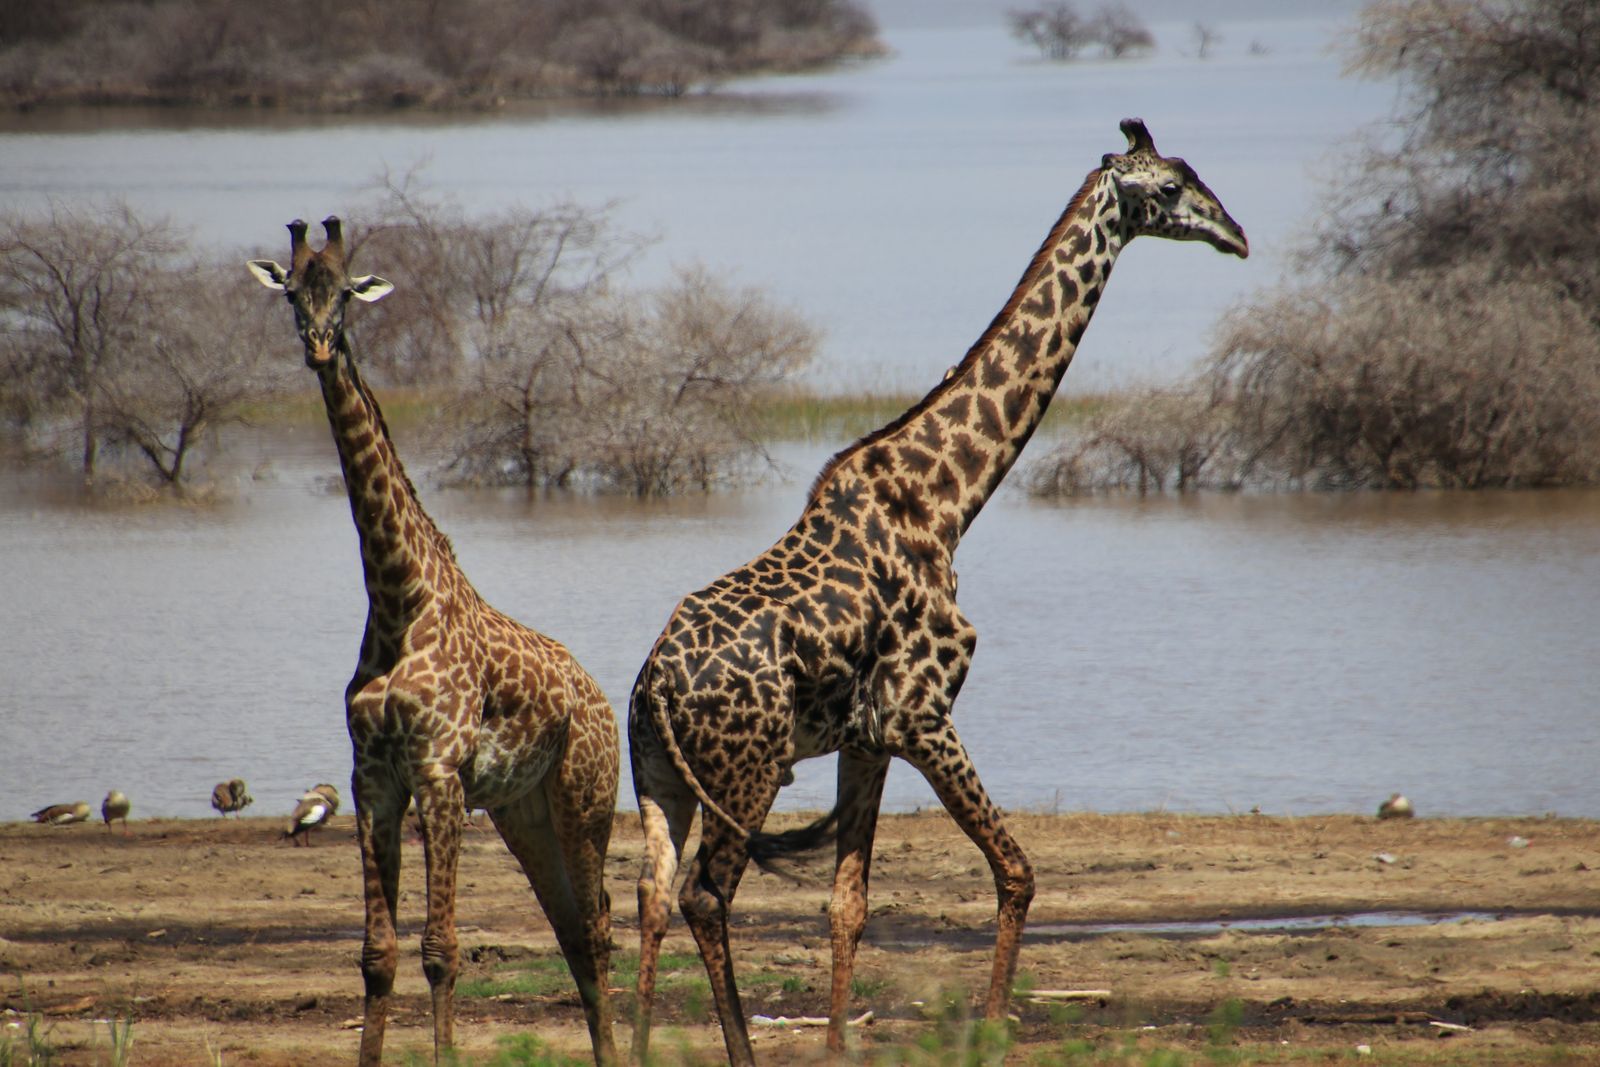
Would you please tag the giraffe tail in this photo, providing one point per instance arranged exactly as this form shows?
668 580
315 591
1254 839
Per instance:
766 849
657 710
763 848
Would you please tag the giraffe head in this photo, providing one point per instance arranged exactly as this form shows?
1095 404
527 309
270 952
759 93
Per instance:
318 288
1164 197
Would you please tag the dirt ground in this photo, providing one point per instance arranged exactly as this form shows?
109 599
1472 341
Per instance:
224 944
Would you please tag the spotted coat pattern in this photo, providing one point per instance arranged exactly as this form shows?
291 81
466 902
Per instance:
452 702
845 636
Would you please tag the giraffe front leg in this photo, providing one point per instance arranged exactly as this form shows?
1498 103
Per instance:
860 793
378 834
942 759
440 806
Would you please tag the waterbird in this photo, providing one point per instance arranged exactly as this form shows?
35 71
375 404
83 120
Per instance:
115 806
230 796
1396 807
61 814
313 809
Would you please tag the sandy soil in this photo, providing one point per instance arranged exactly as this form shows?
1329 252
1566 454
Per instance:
216 937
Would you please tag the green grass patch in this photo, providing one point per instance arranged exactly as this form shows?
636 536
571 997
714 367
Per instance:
532 978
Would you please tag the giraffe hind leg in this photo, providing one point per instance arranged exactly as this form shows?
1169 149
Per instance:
561 847
666 822
706 898
860 793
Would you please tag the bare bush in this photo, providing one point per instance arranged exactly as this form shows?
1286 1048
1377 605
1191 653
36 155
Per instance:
643 397
1060 32
196 366
1055 28
1500 134
1148 440
1454 379
1118 31
1206 37
475 283
114 338
1449 335
74 291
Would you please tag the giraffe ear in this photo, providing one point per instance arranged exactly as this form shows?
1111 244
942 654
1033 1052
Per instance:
370 287
268 273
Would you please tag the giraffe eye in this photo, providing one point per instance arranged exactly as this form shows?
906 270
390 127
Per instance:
1169 188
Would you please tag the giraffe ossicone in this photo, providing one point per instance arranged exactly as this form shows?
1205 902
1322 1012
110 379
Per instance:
845 635
453 704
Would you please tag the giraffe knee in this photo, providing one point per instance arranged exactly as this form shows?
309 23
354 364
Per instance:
701 904
439 958
378 964
1015 884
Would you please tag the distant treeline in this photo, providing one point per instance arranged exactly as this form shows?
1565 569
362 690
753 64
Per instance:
405 53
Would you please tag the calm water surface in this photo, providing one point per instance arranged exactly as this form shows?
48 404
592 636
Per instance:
1300 653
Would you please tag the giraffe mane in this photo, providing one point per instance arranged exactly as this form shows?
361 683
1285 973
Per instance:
1039 263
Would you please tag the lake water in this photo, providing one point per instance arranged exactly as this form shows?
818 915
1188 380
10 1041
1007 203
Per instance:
1300 653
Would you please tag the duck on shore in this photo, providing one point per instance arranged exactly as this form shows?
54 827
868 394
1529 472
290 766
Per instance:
1396 807
315 807
62 814
230 796
115 806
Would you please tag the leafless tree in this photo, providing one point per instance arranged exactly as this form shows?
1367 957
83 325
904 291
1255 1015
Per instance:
1118 31
75 298
115 339
1146 440
1060 32
472 283
642 396
199 363
1055 28
1206 37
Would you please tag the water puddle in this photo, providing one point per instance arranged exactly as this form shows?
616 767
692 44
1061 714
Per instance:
1281 924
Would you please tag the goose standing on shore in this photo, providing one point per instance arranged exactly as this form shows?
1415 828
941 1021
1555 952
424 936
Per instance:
314 808
115 806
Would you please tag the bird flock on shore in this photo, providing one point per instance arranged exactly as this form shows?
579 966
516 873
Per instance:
312 809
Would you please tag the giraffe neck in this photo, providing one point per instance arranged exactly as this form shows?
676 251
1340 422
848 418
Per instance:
401 548
937 465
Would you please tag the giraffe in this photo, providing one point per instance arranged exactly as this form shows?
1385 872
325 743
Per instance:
845 635
452 704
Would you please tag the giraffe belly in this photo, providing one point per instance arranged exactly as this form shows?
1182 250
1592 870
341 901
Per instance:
506 764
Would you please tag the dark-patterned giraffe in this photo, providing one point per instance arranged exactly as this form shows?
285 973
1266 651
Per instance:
845 635
452 703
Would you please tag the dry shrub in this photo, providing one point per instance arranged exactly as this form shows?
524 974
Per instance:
1148 440
1438 379
644 397
1450 335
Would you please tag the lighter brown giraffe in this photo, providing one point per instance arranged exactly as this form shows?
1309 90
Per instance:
845 635
452 703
